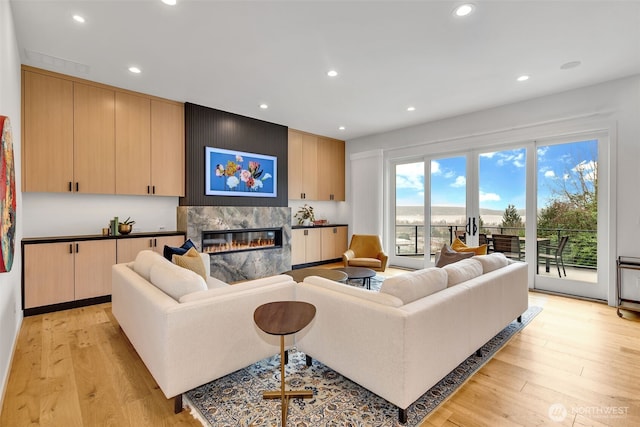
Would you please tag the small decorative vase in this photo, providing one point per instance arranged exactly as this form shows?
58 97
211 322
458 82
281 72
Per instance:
306 222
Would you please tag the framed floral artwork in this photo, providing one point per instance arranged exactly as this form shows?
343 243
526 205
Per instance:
236 173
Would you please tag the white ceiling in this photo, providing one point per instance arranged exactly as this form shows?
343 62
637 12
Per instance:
235 55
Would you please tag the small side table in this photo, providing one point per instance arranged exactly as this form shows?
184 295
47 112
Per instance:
359 273
284 318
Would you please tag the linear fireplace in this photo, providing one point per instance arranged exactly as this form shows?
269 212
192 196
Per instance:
226 241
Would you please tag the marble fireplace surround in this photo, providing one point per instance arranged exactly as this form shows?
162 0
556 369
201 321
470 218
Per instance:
238 266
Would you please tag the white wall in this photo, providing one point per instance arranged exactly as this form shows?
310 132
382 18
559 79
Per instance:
10 305
60 214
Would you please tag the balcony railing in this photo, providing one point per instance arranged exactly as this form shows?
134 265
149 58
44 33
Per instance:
581 250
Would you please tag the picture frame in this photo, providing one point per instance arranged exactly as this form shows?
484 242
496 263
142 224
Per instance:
239 173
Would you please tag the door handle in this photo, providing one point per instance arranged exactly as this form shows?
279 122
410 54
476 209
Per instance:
475 227
468 227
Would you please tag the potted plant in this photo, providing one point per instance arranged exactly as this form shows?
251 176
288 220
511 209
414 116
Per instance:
126 226
305 215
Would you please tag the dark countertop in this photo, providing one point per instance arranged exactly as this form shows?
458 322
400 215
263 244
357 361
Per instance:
53 239
295 227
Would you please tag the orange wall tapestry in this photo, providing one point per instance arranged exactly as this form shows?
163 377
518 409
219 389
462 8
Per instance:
7 197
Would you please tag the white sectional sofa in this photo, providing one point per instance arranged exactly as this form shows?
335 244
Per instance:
400 342
201 333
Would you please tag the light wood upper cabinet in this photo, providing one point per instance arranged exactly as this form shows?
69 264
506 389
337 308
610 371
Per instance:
167 148
133 144
303 165
316 167
94 139
47 137
331 166
80 136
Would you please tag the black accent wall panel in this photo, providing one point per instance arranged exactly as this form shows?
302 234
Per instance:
208 127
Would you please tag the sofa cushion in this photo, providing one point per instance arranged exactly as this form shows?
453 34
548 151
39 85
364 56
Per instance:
226 289
377 297
462 271
170 251
145 260
492 261
459 246
449 256
191 260
416 284
175 281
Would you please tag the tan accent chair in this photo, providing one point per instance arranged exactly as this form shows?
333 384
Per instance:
365 251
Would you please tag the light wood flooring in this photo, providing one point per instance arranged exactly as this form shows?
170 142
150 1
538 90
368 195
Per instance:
76 368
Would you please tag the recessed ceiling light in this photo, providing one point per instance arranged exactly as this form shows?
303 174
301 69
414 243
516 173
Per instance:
523 78
264 106
411 108
169 2
332 73
341 128
135 70
464 9
78 18
569 65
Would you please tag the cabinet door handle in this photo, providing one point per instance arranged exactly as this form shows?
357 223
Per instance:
148 189
70 248
155 243
70 186
306 232
77 247
150 243
153 187
77 186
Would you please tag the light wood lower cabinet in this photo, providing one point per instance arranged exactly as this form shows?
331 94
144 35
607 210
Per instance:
334 242
67 271
312 245
66 274
128 248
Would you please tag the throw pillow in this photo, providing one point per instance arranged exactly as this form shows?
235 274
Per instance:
462 271
416 284
459 246
176 281
449 256
170 251
191 261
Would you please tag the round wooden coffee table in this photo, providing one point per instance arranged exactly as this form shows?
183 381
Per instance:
284 318
299 274
359 273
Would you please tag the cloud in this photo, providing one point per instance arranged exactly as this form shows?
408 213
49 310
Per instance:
549 174
587 169
542 151
410 175
489 197
460 181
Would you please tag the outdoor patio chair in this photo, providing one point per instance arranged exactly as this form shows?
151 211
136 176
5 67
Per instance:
553 253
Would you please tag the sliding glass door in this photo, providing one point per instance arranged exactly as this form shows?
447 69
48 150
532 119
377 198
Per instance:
541 197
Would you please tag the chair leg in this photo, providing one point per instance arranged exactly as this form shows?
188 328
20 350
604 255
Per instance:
563 270
558 266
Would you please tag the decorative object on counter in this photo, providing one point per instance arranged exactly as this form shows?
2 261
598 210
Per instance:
305 215
113 226
320 222
106 231
7 196
126 226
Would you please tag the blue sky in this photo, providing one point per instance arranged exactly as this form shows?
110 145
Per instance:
501 174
